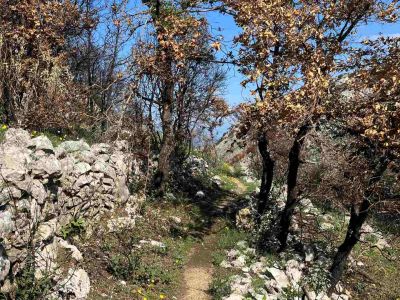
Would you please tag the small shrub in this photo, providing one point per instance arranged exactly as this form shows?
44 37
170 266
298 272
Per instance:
124 267
220 288
30 287
154 273
75 227
217 258
257 283
290 293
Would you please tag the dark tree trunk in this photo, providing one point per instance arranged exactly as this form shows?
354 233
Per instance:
8 111
357 218
292 193
167 146
266 177
161 176
167 143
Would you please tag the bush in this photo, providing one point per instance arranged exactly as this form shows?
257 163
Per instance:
30 287
124 266
220 288
75 227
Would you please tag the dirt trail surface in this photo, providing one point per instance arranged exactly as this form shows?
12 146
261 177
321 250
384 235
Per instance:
198 272
240 187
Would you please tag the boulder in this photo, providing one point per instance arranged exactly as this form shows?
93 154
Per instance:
38 191
217 180
17 137
4 264
327 226
41 143
117 224
47 230
14 161
121 145
75 146
85 156
45 261
76 285
152 243
103 167
67 165
46 167
8 194
81 168
200 194
240 285
75 253
280 277
244 219
101 149
239 262
7 224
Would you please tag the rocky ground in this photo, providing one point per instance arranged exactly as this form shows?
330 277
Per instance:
293 274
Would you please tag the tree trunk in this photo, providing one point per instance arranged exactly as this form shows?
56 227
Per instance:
292 193
8 111
266 177
161 177
167 146
357 218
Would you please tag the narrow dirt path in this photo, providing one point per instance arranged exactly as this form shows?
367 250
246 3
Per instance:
198 272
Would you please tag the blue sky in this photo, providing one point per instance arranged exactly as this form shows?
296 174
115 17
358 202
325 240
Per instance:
235 93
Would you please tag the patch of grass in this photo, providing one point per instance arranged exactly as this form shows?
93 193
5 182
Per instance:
251 187
223 168
257 283
229 237
218 257
228 183
220 287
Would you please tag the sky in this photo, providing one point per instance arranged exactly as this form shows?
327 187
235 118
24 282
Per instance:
235 93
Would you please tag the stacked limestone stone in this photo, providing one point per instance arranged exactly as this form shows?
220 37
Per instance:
45 188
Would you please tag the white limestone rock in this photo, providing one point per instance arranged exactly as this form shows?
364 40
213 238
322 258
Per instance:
41 143
76 286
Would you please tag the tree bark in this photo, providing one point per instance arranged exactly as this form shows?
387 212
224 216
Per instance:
167 143
292 192
357 218
266 177
8 111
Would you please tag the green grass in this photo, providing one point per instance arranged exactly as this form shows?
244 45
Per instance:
229 237
251 187
257 283
218 257
228 183
220 287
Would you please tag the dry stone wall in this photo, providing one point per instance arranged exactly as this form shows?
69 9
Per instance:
43 188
